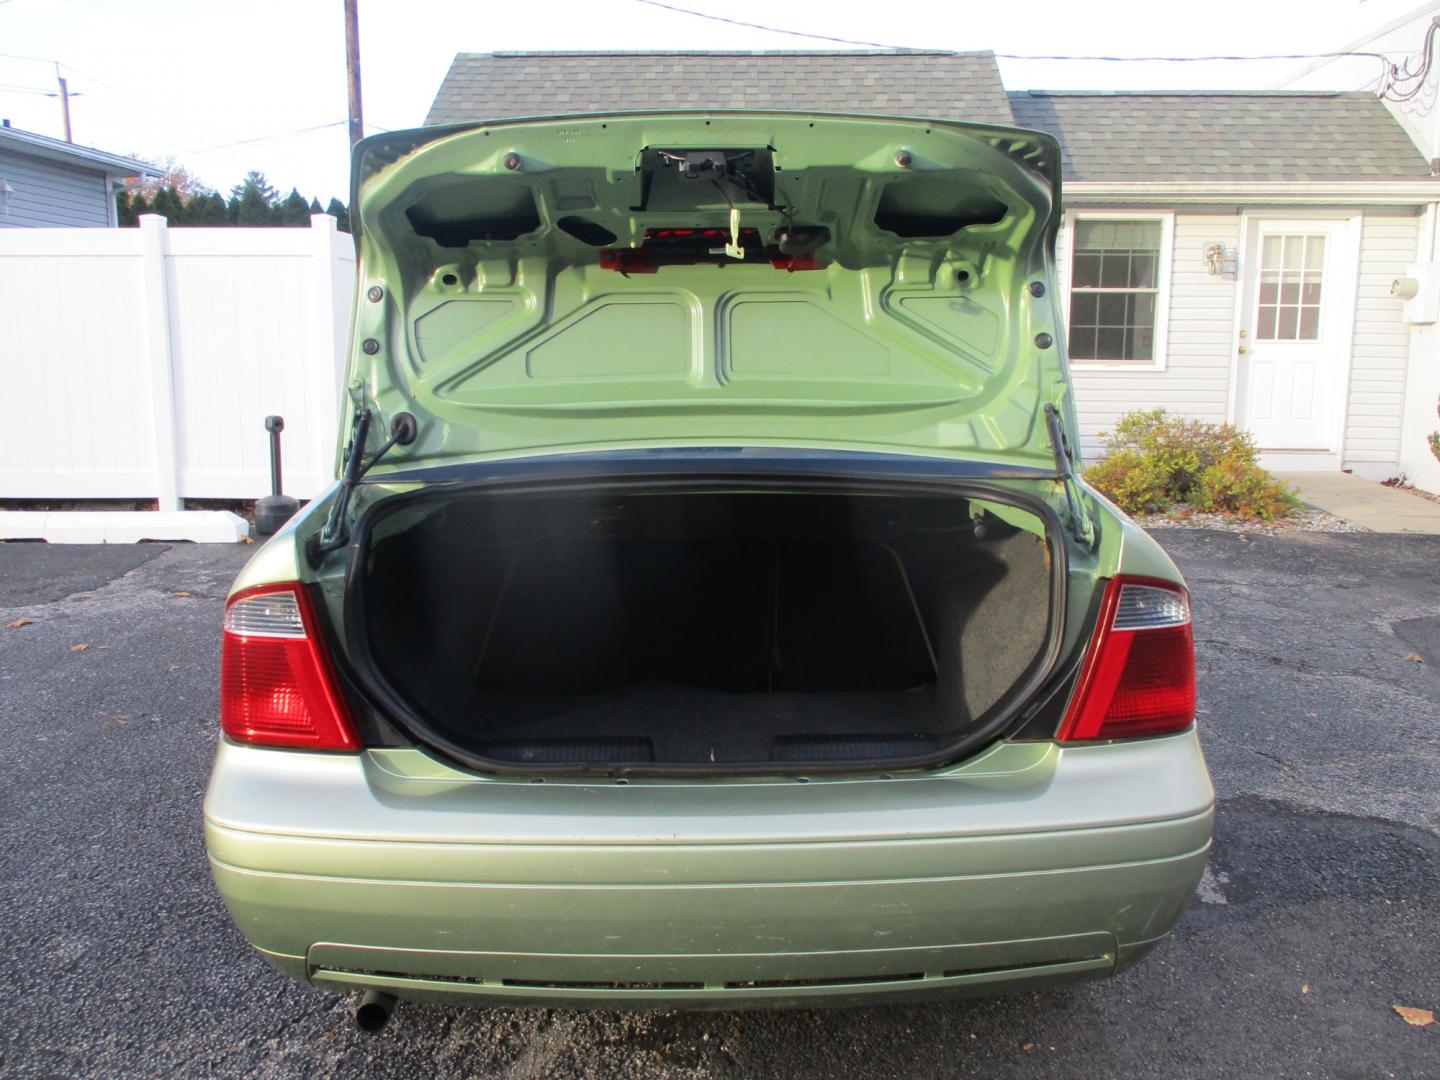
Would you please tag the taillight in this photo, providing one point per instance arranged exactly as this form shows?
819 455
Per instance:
1139 677
276 686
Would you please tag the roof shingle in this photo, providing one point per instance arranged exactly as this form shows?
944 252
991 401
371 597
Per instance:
1114 136
941 85
1241 137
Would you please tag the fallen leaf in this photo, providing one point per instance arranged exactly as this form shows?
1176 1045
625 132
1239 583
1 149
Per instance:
1028 1047
1415 1017
1415 658
15 624
182 592
247 539
79 648
113 720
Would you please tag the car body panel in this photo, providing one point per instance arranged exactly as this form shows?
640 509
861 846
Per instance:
526 343
394 862
525 362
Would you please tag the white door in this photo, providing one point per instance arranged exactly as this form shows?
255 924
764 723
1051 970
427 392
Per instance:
1292 348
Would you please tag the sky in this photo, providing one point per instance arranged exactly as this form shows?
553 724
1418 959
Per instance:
224 88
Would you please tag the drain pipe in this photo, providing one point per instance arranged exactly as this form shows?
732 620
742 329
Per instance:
374 1010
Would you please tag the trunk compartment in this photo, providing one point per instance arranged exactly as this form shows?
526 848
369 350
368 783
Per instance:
717 628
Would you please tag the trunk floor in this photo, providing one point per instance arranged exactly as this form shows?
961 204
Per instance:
690 725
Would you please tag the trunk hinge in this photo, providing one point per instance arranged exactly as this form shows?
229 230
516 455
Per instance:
336 532
1081 527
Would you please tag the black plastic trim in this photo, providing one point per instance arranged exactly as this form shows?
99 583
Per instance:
701 461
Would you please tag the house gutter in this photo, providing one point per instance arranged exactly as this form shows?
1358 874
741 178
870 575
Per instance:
1415 192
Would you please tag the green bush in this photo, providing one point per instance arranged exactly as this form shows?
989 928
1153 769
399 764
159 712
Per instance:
1154 462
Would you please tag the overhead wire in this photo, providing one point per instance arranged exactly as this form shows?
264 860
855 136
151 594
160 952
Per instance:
1391 75
15 89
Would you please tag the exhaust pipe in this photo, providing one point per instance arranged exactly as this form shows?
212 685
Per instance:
374 1010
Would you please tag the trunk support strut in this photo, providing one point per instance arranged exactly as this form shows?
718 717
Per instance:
1079 521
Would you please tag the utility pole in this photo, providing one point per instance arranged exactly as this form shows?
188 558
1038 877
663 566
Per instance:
352 70
64 102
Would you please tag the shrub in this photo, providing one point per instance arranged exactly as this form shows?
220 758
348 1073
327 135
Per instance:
1154 461
1245 490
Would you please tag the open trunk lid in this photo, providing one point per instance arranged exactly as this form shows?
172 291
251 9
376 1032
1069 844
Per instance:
720 279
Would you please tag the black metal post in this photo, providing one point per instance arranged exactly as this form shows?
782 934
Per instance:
273 510
274 425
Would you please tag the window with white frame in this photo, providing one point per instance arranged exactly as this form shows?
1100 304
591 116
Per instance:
1116 277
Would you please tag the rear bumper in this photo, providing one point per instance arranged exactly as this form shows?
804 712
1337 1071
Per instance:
1026 865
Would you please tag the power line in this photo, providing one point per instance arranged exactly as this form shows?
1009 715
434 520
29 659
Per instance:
14 89
772 29
1018 56
271 138
197 129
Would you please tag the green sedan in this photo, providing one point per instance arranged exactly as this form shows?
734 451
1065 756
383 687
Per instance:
708 612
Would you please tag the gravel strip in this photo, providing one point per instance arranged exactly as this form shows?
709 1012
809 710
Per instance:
1310 519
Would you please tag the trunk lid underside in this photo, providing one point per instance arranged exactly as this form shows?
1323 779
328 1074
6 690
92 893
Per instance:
565 284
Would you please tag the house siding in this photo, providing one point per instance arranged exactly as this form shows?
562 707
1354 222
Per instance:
48 193
1196 378
1375 402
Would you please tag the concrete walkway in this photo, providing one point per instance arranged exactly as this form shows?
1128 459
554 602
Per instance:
1366 503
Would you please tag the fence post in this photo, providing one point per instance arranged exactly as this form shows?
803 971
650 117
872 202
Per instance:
154 249
326 370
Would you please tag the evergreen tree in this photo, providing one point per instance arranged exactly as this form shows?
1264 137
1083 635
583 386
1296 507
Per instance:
294 211
337 210
167 204
135 206
252 201
207 210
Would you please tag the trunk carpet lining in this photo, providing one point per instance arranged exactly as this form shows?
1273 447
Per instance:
685 724
705 627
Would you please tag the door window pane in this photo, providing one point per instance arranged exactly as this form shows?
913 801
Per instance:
1292 269
1114 283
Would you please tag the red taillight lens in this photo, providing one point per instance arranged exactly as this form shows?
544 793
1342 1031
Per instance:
1139 677
276 686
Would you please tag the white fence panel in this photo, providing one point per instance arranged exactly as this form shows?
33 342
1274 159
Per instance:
75 412
141 363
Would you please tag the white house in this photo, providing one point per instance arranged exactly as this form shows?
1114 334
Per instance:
1230 256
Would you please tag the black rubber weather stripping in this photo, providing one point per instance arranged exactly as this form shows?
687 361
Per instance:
569 751
850 747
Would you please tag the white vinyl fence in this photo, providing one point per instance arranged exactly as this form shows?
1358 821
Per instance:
141 363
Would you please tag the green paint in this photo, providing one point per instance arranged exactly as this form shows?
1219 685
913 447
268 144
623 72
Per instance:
1026 864
526 344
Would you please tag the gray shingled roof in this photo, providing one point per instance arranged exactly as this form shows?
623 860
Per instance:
1225 136
942 85
1118 136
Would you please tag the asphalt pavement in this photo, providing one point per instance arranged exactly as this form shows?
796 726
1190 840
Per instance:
1320 695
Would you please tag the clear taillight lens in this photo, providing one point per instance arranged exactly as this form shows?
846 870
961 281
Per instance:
1139 676
276 685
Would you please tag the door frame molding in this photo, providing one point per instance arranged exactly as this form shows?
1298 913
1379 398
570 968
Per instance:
1347 283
